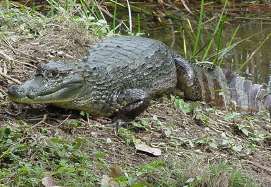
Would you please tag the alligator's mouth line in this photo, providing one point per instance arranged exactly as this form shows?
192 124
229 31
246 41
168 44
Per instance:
56 95
63 86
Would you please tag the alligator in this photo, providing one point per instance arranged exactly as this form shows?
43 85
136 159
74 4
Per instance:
226 89
120 75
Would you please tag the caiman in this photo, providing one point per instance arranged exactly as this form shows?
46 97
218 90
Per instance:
120 75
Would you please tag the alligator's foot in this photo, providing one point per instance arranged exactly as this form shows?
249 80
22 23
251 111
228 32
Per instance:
118 123
133 102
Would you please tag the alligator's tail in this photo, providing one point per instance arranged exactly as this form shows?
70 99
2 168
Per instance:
234 90
220 87
246 94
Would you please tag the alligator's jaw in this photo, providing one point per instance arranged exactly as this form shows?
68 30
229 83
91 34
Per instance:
26 95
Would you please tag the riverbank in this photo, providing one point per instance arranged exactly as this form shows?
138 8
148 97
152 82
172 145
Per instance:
200 146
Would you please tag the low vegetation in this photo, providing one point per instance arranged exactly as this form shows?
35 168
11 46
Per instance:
200 146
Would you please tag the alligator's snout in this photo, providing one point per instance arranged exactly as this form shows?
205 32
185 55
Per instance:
52 83
13 91
17 91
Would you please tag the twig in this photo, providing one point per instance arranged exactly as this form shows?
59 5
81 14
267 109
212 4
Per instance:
25 63
130 16
186 7
173 33
18 51
10 78
8 58
40 122
255 51
5 56
64 120
2 92
99 7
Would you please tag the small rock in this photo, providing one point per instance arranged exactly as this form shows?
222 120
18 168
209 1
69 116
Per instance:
94 134
108 140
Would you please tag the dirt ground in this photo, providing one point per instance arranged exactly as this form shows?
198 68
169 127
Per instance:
207 133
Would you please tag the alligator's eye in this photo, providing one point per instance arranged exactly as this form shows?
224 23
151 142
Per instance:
52 74
63 73
39 71
55 73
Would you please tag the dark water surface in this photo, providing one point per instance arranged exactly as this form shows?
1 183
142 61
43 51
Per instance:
257 69
170 31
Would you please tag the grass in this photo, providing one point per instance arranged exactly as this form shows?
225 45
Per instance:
26 159
203 41
29 154
76 150
204 46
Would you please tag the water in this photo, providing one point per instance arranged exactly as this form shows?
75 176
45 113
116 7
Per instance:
258 69
170 32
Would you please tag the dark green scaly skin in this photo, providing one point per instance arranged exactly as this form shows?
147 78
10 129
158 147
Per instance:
128 72
187 80
120 74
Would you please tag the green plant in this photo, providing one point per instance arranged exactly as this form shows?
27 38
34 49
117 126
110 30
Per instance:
182 105
134 178
207 141
205 46
27 160
127 135
88 14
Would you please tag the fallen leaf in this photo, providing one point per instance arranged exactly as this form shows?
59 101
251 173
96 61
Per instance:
48 182
94 134
167 132
237 148
108 141
141 146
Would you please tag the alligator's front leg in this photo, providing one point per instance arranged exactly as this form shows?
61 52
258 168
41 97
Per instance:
132 102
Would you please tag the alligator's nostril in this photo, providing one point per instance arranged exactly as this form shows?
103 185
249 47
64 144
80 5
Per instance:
12 90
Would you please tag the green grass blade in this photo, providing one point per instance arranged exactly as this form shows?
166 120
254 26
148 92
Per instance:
255 51
218 25
229 45
114 17
184 45
199 29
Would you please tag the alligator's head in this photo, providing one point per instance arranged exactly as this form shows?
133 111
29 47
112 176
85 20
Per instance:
55 82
